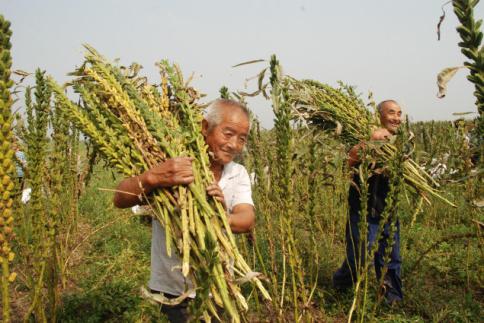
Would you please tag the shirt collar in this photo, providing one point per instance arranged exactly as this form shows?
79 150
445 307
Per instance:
226 175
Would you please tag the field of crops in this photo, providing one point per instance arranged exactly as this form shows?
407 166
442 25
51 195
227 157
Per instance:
68 255
108 251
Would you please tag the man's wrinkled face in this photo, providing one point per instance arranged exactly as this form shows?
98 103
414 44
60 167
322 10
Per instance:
227 139
391 116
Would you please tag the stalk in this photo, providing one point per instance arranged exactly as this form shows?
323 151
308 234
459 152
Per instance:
42 223
6 166
471 47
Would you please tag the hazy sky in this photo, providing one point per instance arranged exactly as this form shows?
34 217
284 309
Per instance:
388 47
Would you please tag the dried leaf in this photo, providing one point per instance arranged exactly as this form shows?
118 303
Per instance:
21 73
134 69
261 78
478 203
441 19
440 22
249 94
444 77
161 299
248 277
190 78
462 113
339 128
250 62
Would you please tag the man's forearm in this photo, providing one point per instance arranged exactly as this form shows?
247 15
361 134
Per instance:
242 221
130 192
354 154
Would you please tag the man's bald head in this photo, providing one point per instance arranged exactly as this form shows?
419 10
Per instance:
215 111
384 103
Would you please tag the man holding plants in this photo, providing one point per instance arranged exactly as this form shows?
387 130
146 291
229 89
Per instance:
378 188
225 128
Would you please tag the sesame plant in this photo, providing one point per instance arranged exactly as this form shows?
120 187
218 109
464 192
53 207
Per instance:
7 168
471 46
49 218
38 241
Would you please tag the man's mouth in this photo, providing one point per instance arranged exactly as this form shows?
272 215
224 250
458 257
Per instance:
228 153
220 154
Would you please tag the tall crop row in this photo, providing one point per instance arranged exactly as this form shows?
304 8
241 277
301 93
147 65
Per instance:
7 168
48 220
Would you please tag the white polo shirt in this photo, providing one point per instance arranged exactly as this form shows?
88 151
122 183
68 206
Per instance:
166 276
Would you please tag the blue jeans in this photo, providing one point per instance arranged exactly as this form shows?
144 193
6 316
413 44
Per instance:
346 275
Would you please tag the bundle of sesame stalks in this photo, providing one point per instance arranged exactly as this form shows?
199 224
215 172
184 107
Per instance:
340 108
135 126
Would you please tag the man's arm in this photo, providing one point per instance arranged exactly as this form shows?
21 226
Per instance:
242 218
175 171
354 153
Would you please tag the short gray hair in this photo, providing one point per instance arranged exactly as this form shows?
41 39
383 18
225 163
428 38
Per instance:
216 109
380 105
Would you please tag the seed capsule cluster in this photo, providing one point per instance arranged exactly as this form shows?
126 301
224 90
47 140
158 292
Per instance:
6 165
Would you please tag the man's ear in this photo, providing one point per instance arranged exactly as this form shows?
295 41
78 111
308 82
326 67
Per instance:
204 127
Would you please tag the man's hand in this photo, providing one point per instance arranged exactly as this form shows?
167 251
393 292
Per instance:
174 171
381 134
215 191
242 217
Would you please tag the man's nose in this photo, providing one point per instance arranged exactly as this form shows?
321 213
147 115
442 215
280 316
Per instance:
234 144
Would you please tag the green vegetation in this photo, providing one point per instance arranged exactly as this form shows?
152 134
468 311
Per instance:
106 259
441 246
76 258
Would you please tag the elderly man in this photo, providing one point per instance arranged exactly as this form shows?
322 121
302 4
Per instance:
225 129
390 117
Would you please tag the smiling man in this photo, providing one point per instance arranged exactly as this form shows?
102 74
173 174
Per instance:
378 188
225 128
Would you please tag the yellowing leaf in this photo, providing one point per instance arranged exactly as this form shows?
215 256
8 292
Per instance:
444 77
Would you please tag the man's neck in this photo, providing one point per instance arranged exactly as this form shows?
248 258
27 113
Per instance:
217 170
